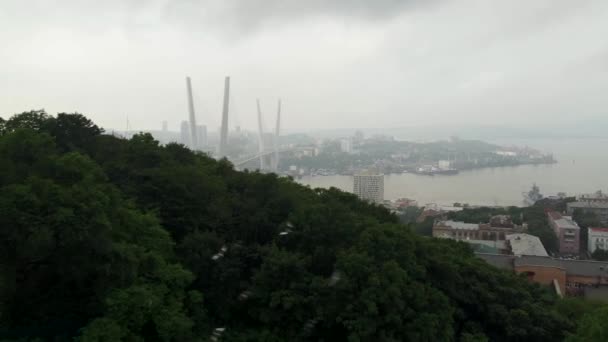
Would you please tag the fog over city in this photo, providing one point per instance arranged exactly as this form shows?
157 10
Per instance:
335 64
304 170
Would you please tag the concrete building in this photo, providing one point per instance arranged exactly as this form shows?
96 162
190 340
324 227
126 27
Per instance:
346 145
359 136
502 221
428 212
184 133
405 203
201 133
597 196
457 230
369 187
308 151
444 164
473 231
598 207
597 238
506 153
567 232
568 277
525 244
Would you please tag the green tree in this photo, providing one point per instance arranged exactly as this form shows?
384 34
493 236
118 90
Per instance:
69 240
592 327
73 132
574 308
36 120
425 227
409 215
107 239
600 254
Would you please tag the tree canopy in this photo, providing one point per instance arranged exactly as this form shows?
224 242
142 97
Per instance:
108 239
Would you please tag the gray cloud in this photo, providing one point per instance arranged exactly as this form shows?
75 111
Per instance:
377 63
231 17
246 15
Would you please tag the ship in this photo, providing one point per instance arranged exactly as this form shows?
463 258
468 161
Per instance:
532 196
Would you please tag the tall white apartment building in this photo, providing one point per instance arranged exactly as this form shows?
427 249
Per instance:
369 187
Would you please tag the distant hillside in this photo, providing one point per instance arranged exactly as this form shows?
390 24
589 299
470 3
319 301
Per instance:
578 130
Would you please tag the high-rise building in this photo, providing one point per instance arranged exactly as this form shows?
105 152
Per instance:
165 126
185 133
346 145
359 136
369 186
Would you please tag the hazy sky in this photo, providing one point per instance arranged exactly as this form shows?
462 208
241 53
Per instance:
335 64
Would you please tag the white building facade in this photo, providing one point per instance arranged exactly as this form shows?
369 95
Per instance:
184 133
369 187
346 145
444 164
597 238
202 136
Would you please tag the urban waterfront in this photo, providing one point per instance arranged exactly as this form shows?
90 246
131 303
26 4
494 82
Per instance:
582 168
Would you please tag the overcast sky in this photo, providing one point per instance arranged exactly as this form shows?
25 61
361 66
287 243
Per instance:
335 64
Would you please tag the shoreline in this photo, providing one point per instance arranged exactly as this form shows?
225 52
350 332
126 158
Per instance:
410 171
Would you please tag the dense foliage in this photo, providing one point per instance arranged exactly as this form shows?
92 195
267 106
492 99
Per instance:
107 239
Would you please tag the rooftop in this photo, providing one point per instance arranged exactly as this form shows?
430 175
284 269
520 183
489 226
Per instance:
554 215
597 196
369 174
596 229
480 248
459 225
525 244
587 204
585 268
566 223
562 222
573 267
498 260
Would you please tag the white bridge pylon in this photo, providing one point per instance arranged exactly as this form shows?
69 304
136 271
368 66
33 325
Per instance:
268 144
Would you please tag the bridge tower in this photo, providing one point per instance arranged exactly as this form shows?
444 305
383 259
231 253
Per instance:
224 130
275 161
261 145
192 116
269 161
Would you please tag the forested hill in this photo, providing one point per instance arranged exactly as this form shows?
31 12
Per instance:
107 239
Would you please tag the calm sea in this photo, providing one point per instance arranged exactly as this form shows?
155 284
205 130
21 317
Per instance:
582 168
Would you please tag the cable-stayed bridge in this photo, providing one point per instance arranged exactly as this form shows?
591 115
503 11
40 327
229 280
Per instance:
268 153
268 144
